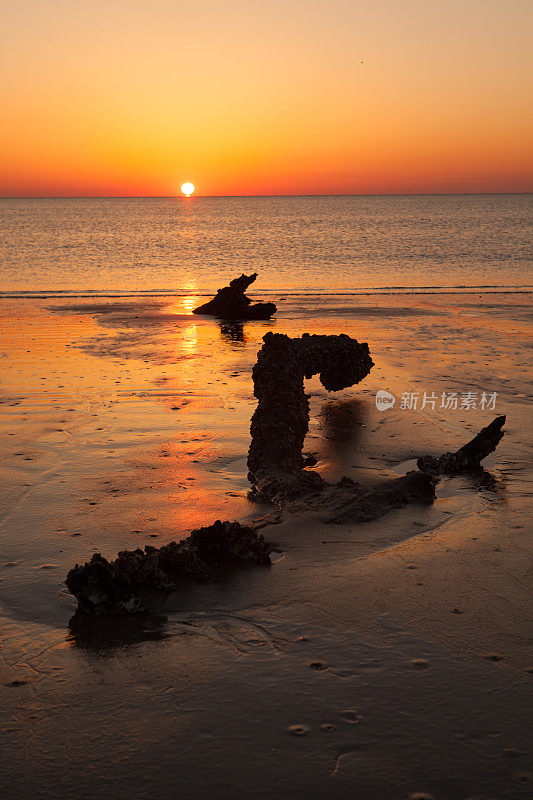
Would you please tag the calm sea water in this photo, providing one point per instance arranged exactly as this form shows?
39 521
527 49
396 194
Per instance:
296 244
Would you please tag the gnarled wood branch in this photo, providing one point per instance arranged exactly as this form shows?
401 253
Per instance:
232 303
124 585
281 420
469 457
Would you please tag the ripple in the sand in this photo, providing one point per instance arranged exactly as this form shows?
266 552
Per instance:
298 730
510 752
350 716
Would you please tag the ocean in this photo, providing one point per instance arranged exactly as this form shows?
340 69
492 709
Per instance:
326 244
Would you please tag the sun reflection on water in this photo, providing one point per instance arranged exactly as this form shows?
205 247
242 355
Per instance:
187 304
188 343
189 300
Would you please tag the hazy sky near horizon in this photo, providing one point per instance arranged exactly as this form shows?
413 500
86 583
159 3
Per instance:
133 97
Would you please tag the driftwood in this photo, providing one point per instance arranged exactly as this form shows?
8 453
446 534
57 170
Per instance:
278 475
469 457
124 586
281 420
232 303
349 502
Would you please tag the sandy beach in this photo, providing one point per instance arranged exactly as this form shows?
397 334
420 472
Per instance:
387 659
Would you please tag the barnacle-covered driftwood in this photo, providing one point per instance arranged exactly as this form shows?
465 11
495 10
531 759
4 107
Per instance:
469 457
232 303
349 502
281 419
124 586
277 473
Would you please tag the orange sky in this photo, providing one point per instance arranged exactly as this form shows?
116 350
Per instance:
133 97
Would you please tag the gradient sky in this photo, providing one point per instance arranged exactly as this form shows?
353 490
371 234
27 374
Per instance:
133 97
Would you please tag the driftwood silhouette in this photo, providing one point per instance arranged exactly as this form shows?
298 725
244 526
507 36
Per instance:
278 475
124 586
281 420
232 303
468 458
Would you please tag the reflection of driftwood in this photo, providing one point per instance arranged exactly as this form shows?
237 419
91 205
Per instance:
232 303
123 586
281 419
232 332
117 631
468 458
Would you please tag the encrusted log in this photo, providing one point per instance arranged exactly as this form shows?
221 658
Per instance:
348 502
469 457
124 586
281 420
232 303
276 470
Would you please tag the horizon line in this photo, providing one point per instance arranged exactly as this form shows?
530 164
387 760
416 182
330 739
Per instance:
215 196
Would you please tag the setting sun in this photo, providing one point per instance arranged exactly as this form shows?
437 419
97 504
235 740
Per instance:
187 189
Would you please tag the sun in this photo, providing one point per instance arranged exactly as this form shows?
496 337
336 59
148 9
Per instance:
187 188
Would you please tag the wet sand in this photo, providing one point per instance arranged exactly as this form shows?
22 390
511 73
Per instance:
373 660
